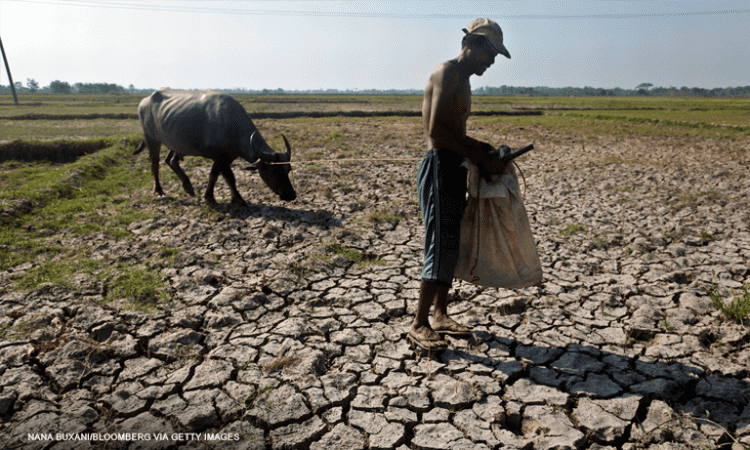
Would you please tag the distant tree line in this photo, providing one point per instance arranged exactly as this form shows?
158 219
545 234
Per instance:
642 90
63 87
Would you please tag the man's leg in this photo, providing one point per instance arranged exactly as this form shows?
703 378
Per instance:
421 331
443 324
452 202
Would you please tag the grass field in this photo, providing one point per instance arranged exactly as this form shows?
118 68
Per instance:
50 117
102 192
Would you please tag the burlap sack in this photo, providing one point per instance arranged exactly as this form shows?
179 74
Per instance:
497 248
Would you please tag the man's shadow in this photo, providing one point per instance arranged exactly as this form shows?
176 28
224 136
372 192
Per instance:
675 402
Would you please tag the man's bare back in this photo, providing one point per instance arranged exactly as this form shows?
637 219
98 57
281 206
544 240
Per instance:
447 104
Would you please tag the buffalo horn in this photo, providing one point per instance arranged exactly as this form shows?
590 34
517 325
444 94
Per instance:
288 147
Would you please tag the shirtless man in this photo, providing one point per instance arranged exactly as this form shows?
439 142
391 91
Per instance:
441 181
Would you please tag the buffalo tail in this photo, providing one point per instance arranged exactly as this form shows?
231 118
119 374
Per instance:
140 148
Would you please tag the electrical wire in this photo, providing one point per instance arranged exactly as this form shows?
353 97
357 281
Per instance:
381 15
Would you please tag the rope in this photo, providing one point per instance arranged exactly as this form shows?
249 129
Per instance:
315 161
523 196
474 277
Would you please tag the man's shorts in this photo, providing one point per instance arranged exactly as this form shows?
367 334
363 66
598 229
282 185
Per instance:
441 184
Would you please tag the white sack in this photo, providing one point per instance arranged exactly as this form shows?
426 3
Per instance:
497 248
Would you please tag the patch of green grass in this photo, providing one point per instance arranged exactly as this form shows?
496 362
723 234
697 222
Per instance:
354 255
55 272
22 329
625 118
143 287
48 129
570 230
334 136
298 269
383 215
244 365
600 242
21 248
82 198
737 309
707 236
170 254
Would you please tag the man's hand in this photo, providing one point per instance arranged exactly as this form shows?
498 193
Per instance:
491 162
495 165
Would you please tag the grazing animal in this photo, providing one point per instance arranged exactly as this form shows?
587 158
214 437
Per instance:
212 125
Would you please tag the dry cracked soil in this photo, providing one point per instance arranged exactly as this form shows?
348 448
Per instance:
285 325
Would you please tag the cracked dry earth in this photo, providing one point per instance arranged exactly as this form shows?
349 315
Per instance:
276 337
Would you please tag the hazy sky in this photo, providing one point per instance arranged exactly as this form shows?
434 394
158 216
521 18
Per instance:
365 44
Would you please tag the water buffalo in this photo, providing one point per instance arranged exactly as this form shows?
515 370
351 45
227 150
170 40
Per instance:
213 125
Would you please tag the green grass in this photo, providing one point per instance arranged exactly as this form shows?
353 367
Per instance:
89 197
74 104
383 215
707 236
79 105
143 288
45 130
589 118
737 309
55 272
570 230
614 103
689 118
354 255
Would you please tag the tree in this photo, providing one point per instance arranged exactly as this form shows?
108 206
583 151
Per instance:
98 88
60 87
32 84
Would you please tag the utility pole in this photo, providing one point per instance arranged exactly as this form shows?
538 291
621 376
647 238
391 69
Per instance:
7 69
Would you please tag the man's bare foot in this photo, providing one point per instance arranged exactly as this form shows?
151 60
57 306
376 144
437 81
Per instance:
426 339
446 325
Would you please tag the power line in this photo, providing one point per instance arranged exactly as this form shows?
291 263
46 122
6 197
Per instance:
355 14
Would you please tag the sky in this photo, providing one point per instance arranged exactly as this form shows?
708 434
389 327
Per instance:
301 45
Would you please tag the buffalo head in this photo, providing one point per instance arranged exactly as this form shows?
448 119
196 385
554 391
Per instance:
272 169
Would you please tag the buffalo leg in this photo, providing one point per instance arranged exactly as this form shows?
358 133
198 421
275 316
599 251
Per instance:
212 177
173 161
226 172
154 147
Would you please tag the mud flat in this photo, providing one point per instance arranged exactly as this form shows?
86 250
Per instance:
285 324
